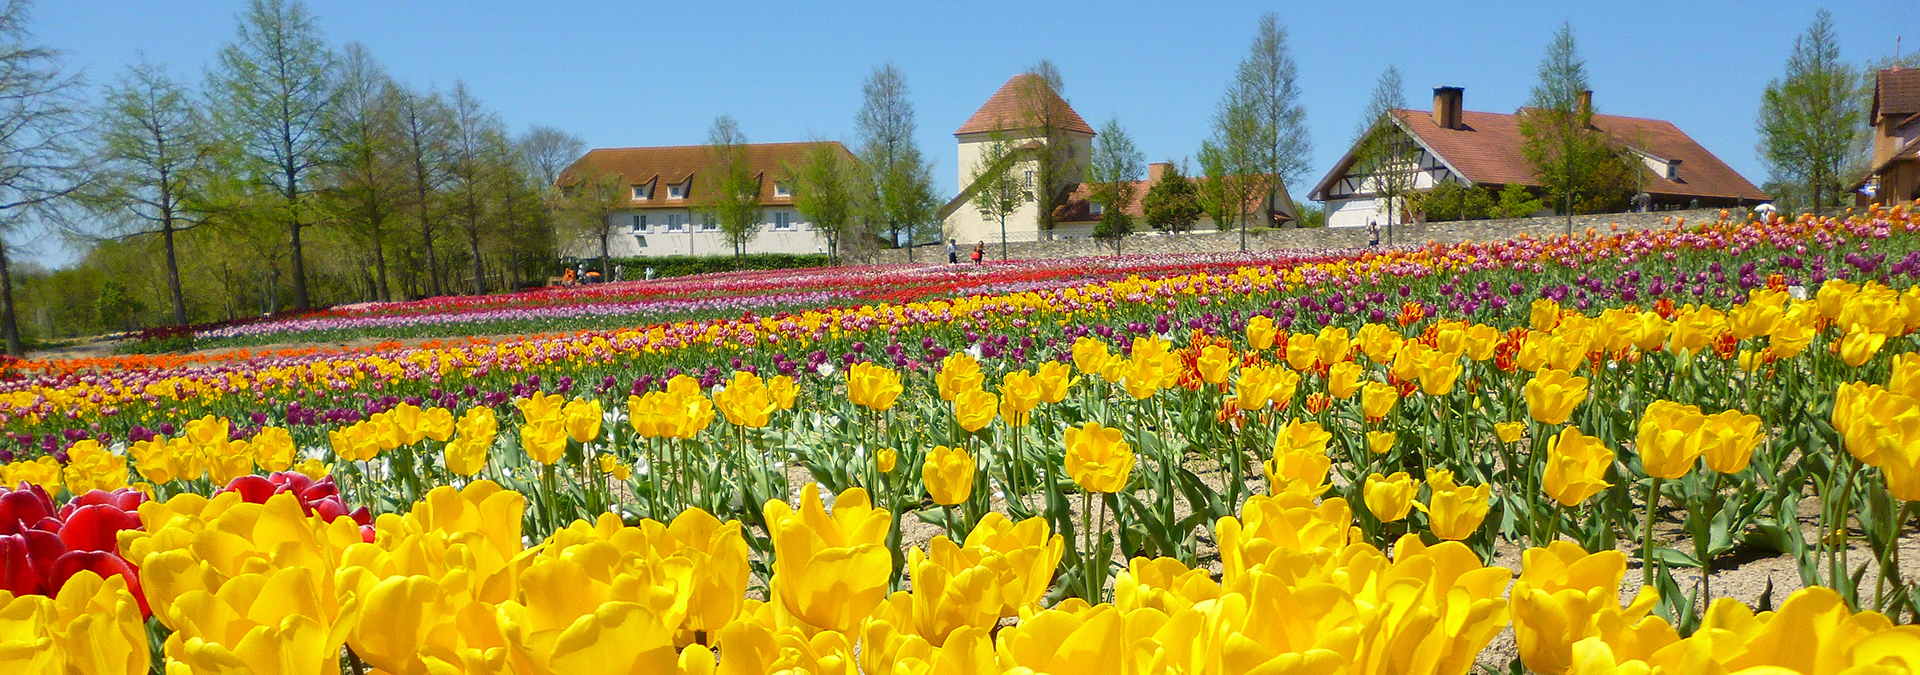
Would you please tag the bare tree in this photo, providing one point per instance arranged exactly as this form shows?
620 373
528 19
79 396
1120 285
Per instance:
1383 153
1267 83
40 117
1044 113
900 179
365 179
151 155
590 199
274 84
548 151
1001 193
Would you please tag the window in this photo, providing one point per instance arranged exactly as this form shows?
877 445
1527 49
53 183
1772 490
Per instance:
639 223
708 224
641 192
1097 208
678 191
782 221
782 190
676 222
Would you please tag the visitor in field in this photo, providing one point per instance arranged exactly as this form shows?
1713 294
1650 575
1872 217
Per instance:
953 251
979 252
567 278
1373 232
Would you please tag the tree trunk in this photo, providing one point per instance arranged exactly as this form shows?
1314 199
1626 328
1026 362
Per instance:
606 230
8 326
300 300
380 272
173 272
479 270
426 240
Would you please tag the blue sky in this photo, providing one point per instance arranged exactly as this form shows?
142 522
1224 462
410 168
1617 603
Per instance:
647 73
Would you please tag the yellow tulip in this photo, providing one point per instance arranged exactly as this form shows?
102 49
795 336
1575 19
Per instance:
466 456
884 459
1300 351
1144 376
784 391
1215 363
1790 340
1260 333
1576 467
1333 345
273 448
1904 377
1020 393
612 465
959 373
1833 297
872 386
1670 439
1509 432
1098 458
948 475
1755 319
1343 378
1297 472
1378 342
582 418
1389 498
92 626
1025 554
1695 328
829 570
1454 512
91 467
1253 390
1298 436
541 407
949 593
1482 340
1732 437
1091 355
1565 595
544 442
1857 346
1544 314
1377 399
1055 380
1650 331
1552 395
1882 429
974 410
1438 371
746 401
1381 442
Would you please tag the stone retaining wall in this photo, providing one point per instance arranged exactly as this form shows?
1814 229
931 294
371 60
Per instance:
1342 237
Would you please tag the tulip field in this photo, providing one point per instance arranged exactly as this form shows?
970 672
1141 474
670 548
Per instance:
1273 463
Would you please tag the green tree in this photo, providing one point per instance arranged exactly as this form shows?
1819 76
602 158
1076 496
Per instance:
1809 117
1043 110
1114 172
731 189
1260 134
364 180
1230 166
826 192
39 118
1516 201
1382 152
899 179
273 86
1172 204
150 155
425 128
1000 193
1569 157
590 199
479 145
117 308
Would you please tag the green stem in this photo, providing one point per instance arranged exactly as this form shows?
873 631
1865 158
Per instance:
1646 537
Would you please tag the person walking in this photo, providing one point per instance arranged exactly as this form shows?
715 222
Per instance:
953 251
979 252
1373 232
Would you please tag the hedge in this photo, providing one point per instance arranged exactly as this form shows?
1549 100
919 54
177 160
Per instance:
681 265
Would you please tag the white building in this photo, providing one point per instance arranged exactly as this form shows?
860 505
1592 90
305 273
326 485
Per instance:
1011 115
665 217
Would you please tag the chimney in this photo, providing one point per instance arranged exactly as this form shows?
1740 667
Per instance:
1586 102
1156 171
1446 106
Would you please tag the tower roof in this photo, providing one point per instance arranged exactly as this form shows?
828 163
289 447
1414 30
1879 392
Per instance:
1009 108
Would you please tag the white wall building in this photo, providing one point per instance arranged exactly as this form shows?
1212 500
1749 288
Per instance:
664 215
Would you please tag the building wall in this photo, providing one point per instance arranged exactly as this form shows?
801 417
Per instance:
656 240
1214 241
966 224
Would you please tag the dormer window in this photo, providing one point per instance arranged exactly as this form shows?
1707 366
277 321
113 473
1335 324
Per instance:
642 192
782 190
677 191
1098 208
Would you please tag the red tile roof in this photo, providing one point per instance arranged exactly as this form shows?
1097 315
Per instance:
671 165
1078 207
1487 150
1896 91
1005 110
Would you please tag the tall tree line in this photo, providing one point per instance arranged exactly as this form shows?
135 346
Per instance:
294 175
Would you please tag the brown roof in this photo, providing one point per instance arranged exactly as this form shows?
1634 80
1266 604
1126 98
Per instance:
671 165
1078 206
1004 112
1487 150
1896 91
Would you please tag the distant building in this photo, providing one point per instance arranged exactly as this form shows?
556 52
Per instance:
1449 144
1895 117
1009 116
664 215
